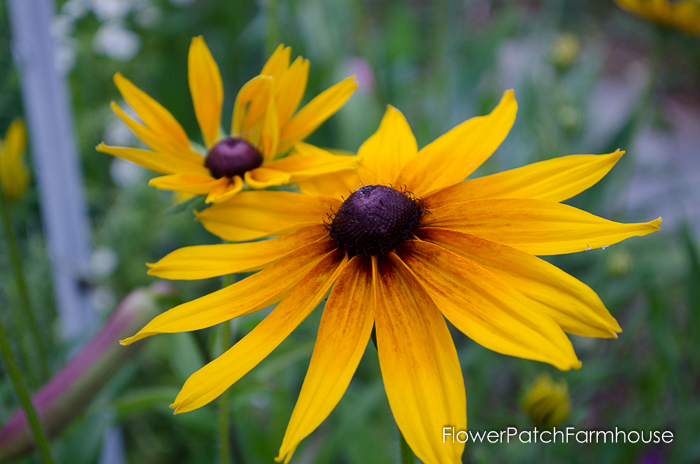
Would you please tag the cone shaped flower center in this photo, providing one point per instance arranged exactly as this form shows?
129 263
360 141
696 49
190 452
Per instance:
376 219
232 157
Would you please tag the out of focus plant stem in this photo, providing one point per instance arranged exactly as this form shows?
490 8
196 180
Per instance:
26 310
25 400
70 391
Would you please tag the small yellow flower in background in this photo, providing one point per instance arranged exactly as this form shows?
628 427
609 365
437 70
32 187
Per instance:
547 403
683 15
402 259
565 50
14 177
264 128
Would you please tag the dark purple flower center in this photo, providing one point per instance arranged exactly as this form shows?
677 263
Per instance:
232 157
376 219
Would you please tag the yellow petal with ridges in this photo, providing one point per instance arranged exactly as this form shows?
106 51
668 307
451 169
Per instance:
198 184
255 214
455 155
535 226
314 113
307 161
206 88
487 310
212 380
269 133
290 89
388 150
569 302
225 190
553 180
264 176
258 88
346 325
249 295
204 261
278 62
421 371
153 114
163 163
155 141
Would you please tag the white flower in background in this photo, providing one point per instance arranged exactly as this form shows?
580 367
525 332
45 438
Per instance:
102 299
125 173
106 10
76 9
148 16
116 42
103 262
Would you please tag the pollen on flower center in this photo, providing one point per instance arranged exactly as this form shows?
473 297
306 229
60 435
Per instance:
232 157
375 219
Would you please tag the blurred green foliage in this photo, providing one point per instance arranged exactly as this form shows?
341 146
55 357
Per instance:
440 63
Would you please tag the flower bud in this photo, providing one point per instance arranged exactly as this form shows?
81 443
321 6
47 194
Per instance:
14 177
547 403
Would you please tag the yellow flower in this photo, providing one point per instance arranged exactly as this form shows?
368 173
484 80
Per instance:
400 259
14 177
683 15
547 403
264 128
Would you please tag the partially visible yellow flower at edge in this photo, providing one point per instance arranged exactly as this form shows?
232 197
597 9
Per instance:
264 128
546 402
14 177
683 15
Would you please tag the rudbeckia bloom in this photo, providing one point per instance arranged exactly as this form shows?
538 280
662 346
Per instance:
410 247
14 177
264 128
547 403
683 15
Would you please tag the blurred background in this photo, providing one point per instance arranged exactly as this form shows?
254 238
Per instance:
589 78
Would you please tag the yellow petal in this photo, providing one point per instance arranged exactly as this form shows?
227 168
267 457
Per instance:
486 309
386 152
14 177
346 325
553 180
156 141
338 184
455 155
225 190
419 364
255 214
204 261
269 133
315 113
163 163
535 226
265 176
198 184
153 115
568 301
278 62
206 89
249 295
258 88
290 89
308 161
213 379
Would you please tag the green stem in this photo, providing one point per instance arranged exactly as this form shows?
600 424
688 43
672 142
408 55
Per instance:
223 422
272 27
42 443
407 456
24 297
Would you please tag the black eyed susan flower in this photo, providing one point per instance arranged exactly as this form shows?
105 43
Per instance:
14 177
547 403
683 15
411 246
264 128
